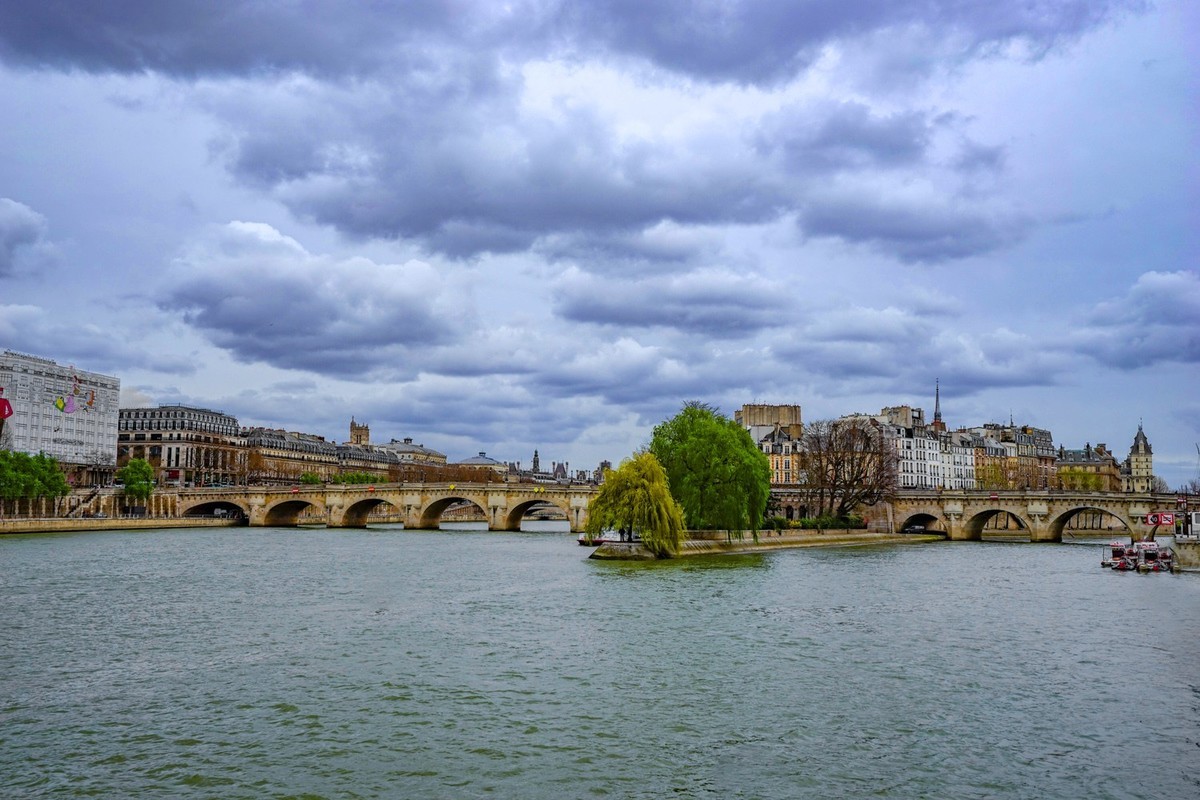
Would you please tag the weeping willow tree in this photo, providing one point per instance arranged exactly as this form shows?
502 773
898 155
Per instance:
636 496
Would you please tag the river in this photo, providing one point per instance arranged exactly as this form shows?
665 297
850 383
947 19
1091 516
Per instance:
383 663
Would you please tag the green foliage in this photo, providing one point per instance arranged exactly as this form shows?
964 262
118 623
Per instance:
990 476
1077 479
831 523
635 496
138 477
23 475
354 477
716 472
310 478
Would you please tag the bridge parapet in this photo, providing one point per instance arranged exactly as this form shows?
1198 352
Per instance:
419 505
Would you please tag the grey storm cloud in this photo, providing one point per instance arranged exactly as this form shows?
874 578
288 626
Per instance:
665 247
714 303
766 42
888 349
20 227
465 173
1156 322
262 297
128 342
406 121
915 231
746 42
193 37
847 135
475 174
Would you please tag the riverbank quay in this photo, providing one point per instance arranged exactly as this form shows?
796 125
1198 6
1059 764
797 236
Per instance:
60 525
704 543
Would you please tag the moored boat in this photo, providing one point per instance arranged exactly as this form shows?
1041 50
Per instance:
1114 551
1139 556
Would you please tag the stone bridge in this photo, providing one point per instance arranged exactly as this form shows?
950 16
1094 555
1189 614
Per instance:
419 506
962 515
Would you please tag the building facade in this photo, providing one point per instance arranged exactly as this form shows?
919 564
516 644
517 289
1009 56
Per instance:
929 456
67 413
187 446
1089 469
784 454
754 415
276 456
778 431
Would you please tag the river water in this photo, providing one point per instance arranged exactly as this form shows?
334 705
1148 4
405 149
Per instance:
382 663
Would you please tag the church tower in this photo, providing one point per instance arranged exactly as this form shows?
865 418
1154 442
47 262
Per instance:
359 434
1139 467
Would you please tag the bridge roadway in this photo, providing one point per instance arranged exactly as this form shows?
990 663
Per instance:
420 505
962 515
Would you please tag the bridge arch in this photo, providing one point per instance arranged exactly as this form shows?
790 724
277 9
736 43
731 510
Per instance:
974 524
518 509
286 513
355 515
1060 522
216 508
927 519
431 514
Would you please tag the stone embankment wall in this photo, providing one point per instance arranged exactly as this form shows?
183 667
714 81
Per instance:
50 525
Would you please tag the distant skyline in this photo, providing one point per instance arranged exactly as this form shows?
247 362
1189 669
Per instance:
500 227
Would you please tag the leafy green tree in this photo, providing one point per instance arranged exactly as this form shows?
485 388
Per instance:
310 478
26 476
138 477
716 472
636 496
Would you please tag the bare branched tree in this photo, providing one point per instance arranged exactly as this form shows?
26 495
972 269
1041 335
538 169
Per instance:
847 463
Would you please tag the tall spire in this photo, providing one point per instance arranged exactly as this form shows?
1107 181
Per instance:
937 424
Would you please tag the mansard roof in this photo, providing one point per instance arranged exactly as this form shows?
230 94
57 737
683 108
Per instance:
407 446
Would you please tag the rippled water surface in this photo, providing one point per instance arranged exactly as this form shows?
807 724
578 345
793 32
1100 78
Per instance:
268 663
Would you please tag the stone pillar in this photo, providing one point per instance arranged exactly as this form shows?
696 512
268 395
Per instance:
579 513
1187 554
497 511
412 511
1037 515
335 508
257 515
956 531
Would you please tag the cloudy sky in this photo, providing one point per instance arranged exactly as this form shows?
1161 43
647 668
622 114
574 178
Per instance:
547 224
